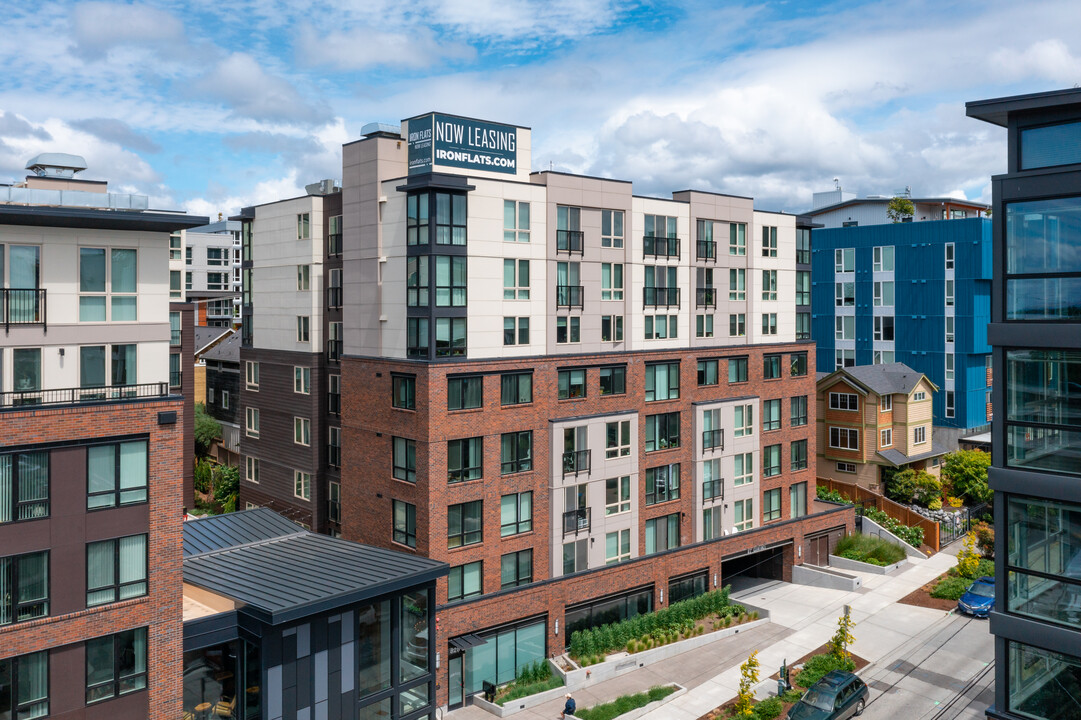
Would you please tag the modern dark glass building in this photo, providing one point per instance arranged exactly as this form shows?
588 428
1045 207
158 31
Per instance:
1035 335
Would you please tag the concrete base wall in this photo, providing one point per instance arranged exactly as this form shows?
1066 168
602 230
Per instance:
824 578
870 527
846 564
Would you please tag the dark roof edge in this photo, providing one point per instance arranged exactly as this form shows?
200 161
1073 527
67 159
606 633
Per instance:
97 219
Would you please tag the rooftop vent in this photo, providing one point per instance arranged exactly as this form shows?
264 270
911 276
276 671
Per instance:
323 187
378 128
56 165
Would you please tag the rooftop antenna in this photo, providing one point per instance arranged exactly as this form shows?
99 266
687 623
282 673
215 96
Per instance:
836 183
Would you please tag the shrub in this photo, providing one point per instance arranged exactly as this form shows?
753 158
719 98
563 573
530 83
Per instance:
935 504
966 471
901 487
207 430
744 706
967 559
624 704
203 472
534 678
792 695
819 665
913 535
985 538
824 493
769 709
950 588
927 490
869 549
955 502
227 487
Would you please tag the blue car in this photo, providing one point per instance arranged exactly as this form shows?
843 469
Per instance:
979 598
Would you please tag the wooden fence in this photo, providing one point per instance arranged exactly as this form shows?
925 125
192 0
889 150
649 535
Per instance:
868 498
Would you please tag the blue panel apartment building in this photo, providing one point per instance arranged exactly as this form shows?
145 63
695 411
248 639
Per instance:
917 293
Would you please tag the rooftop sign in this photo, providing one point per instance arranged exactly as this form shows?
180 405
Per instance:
449 141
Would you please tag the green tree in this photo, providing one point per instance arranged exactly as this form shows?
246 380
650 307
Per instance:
207 430
843 637
226 487
966 472
900 208
968 559
748 679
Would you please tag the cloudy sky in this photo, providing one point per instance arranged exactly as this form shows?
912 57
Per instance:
207 105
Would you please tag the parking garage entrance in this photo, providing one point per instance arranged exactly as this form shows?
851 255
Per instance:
759 565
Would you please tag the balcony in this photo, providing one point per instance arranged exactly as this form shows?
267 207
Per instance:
713 439
569 296
576 521
569 241
705 297
334 298
657 246
78 396
334 456
334 403
575 462
334 351
660 297
22 306
334 244
713 490
706 250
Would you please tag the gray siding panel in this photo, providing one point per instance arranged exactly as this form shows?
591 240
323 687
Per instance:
347 667
274 692
303 640
320 669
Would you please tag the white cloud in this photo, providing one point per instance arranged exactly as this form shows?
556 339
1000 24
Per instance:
365 47
98 27
241 83
265 191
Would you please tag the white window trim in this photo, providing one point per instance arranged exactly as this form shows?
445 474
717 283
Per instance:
847 433
301 423
885 437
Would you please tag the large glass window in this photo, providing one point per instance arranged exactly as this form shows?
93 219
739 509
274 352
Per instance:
515 279
1044 685
416 281
662 484
505 653
464 393
617 495
797 499
450 219
799 455
771 460
1051 145
107 284
612 228
1043 557
771 414
515 221
405 523
515 513
662 533
24 486
608 610
516 568
707 372
1043 237
116 569
465 459
771 505
450 281
24 587
465 581
572 383
662 381
465 524
450 337
115 665
613 380
662 431
1043 409
737 370
373 637
26 369
416 332
416 220
799 411
24 686
618 438
116 474
516 389
413 661
516 452
405 459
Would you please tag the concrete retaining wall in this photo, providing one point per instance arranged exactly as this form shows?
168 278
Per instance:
824 577
870 527
846 564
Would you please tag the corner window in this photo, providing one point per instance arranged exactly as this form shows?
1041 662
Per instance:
116 569
416 337
451 283
115 665
416 220
405 523
450 337
116 474
450 219
416 281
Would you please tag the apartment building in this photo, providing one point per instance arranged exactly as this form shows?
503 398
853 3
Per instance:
589 403
1036 338
804 309
873 419
204 269
221 364
290 357
914 293
840 208
91 454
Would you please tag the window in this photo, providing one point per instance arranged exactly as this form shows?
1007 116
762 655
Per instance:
251 422
844 438
416 220
465 459
613 380
662 431
882 357
116 474
771 367
797 500
174 284
302 380
798 452
612 228
405 523
303 322
617 495
769 323
769 284
883 294
660 327
449 337
844 260
743 468
515 514
516 452
515 221
703 326
303 226
404 391
662 484
771 461
572 384
846 467
803 326
568 229
617 547
107 284
798 364
949 367
803 246
737 238
25 581
737 284
771 505
464 393
224 399
771 414
334 447
844 401
744 415
803 287
115 665
251 375
568 329
769 241
450 219
217 281
844 294
737 325
744 514
24 486
617 438
404 459
660 236
737 370
302 431
464 524
516 389
919 395
949 293
844 358
885 438
516 569
949 256
662 533
450 281
883 327
465 581
949 328
251 469
416 281
882 258
799 411
304 277
844 327
302 485
611 281
116 569
950 407
611 328
662 381
707 372
187 280
24 686
919 435
515 279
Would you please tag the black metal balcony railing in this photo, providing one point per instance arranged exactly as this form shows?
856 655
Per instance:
174 338
660 297
659 246
569 241
706 250
334 244
334 403
334 350
705 297
22 306
334 297
575 462
576 521
334 456
713 439
175 378
334 511
712 489
569 296
75 396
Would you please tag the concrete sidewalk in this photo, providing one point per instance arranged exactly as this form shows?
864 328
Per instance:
802 619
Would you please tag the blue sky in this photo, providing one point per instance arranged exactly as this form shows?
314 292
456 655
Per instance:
208 105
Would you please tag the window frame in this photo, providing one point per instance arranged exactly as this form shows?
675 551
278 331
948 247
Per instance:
622 445
771 414
771 460
517 463
118 682
302 431
22 707
672 389
251 429
837 435
671 427
851 400
117 490
302 380
302 481
617 377
771 505
669 489
737 366
465 537
797 455
403 389
521 523
516 557
771 367
403 453
408 530
622 489
462 386
514 387
566 384
461 570
17 606
704 369
117 586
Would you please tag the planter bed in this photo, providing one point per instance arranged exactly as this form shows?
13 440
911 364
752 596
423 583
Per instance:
846 564
675 691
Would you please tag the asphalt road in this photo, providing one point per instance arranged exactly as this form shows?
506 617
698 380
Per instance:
945 673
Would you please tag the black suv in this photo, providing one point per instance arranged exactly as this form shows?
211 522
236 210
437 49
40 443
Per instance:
837 696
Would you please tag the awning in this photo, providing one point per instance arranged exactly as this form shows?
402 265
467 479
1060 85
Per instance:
464 642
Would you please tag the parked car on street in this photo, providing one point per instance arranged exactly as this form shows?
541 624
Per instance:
838 695
979 599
